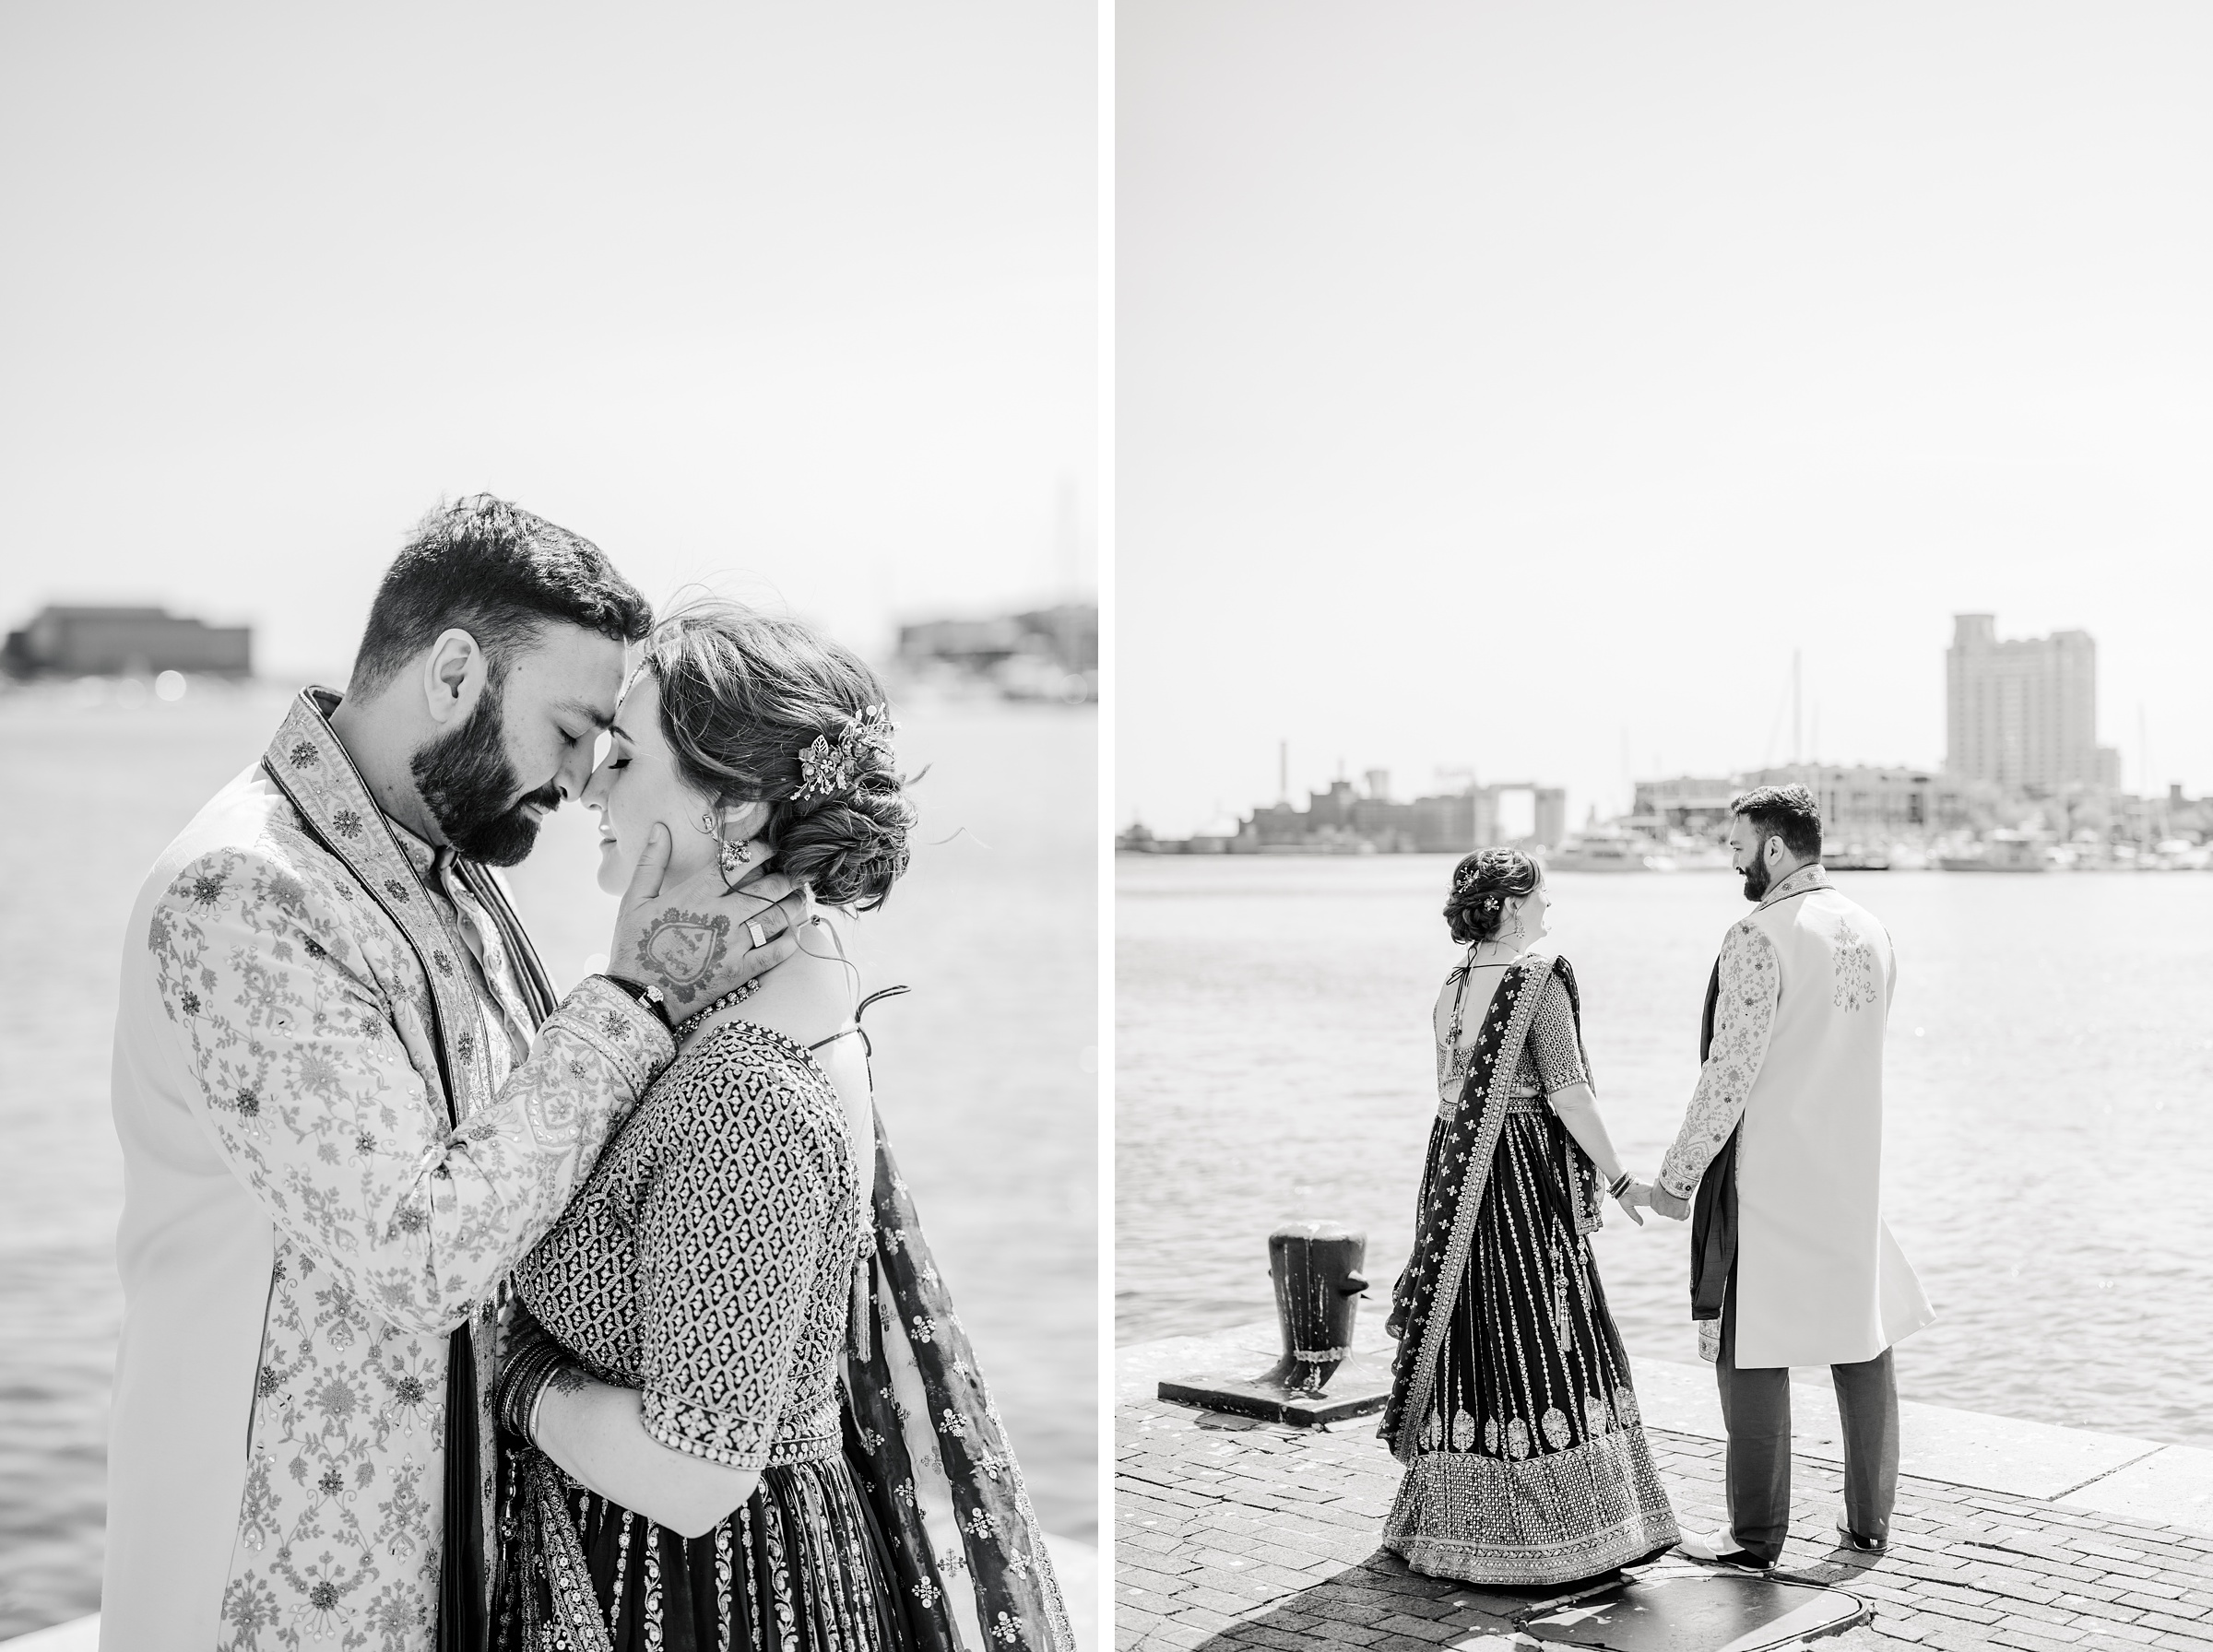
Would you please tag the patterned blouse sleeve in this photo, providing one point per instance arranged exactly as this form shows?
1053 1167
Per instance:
1743 1016
730 1243
306 1088
1552 1041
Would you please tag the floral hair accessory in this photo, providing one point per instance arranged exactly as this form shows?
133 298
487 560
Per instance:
828 768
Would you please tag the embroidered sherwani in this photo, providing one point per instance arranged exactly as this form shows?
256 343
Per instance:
342 1127
1796 1070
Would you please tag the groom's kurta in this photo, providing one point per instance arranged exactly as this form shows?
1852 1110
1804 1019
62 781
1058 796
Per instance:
1796 1067
341 1132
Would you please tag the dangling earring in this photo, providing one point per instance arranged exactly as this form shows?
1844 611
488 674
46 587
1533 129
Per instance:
731 857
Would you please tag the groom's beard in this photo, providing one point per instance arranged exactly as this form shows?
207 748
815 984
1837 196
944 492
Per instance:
1755 880
470 787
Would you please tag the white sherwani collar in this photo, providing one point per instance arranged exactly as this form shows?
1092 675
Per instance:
1803 881
313 771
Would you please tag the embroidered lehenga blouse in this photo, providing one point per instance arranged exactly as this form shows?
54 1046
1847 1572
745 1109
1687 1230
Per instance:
709 1263
1512 1404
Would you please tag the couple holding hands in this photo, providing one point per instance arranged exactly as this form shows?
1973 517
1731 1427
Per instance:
1512 1405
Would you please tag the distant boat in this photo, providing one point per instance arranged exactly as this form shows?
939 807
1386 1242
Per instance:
1856 857
1695 854
1608 852
2002 851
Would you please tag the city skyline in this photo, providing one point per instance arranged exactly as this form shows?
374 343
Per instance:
1793 737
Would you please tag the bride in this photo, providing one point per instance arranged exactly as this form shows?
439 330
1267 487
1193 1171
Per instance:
736 1408
1512 1404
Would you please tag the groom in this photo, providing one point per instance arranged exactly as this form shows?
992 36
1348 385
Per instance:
349 1101
1790 1262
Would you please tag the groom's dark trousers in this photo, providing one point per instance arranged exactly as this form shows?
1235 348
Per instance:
1756 1409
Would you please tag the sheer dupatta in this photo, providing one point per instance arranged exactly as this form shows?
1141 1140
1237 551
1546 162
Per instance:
934 1457
1454 1174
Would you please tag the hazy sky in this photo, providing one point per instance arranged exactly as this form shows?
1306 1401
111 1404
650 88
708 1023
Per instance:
799 297
1517 385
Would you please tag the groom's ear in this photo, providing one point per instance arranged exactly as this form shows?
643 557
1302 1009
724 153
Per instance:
453 677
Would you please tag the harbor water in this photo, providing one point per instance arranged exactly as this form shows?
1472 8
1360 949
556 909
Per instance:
984 1074
2047 1150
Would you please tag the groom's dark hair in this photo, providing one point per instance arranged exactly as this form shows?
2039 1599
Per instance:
1788 812
495 571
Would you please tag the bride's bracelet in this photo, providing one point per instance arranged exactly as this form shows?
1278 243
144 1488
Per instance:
523 1384
1621 1183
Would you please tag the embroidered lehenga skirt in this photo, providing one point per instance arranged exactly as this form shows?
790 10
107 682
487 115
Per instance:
802 1566
1531 1465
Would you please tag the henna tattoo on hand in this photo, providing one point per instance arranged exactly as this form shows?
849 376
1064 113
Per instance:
682 950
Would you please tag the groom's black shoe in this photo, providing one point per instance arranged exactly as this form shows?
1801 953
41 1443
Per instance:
1849 1539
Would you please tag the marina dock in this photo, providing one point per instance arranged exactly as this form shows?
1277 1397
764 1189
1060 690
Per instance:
1232 1533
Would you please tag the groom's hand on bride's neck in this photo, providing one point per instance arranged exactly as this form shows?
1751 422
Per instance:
695 940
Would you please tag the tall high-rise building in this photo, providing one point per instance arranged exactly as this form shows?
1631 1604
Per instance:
2022 713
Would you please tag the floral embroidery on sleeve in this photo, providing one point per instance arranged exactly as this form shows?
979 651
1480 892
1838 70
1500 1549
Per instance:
1742 1017
309 1092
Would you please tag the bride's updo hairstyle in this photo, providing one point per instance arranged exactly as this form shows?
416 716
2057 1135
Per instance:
743 694
1481 885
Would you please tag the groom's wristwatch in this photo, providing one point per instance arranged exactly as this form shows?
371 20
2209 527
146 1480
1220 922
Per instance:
649 995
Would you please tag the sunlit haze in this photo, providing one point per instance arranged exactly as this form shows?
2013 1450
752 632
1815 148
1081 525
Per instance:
797 300
1518 386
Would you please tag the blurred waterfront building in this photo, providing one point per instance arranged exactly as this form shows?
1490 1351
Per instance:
1693 803
1869 803
1444 823
1045 653
1859 802
2023 714
125 641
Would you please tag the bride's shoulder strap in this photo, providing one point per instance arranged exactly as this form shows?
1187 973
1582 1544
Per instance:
882 992
854 1025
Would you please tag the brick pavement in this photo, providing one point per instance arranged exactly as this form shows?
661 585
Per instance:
1236 1534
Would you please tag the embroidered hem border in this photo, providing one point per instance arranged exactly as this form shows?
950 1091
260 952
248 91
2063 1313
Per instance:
1550 1518
734 1441
549 1537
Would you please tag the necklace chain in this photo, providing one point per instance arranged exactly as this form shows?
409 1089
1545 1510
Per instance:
736 994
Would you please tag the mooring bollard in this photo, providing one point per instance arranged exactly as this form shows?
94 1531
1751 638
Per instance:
1316 1266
